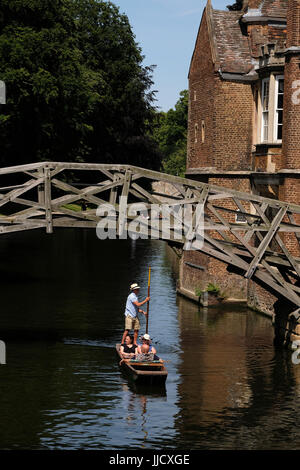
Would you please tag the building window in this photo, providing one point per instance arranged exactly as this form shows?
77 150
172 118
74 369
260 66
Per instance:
279 89
240 218
202 132
272 89
196 133
265 109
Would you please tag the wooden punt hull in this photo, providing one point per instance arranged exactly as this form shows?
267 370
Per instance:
151 373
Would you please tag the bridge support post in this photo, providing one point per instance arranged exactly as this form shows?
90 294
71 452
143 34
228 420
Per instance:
48 210
41 194
41 189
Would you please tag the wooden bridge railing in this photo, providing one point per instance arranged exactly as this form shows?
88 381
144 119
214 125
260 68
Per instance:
257 236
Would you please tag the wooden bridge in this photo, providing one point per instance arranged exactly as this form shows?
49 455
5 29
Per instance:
256 236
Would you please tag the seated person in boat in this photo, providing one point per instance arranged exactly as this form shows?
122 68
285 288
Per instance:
146 339
128 349
145 355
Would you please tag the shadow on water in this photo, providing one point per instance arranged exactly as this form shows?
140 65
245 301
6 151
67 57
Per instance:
8 277
157 390
227 387
62 314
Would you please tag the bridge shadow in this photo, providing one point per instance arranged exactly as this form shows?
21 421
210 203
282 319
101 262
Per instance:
284 323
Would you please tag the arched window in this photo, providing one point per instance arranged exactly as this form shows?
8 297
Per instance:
196 133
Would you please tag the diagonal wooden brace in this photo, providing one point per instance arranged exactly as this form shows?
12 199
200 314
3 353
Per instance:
265 242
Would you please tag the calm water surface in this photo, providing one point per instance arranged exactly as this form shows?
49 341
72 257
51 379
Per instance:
62 299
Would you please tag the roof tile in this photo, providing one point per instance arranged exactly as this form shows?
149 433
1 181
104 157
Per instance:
232 46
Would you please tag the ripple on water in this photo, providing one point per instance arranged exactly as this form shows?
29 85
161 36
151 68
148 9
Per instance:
227 387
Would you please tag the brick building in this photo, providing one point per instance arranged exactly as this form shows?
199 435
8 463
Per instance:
244 118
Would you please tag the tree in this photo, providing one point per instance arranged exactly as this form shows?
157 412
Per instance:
76 87
171 136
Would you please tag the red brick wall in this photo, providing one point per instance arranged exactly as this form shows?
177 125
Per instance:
293 23
291 193
201 96
291 115
227 111
233 285
253 4
225 108
215 272
260 299
269 160
233 121
258 36
277 34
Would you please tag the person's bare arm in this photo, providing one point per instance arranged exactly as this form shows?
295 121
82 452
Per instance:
139 304
123 354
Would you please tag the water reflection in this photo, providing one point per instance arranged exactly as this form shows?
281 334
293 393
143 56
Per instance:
62 386
236 391
137 404
62 314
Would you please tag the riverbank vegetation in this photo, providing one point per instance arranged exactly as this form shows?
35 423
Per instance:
171 136
77 89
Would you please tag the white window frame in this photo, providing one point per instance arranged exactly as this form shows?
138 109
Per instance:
275 130
240 218
270 110
266 111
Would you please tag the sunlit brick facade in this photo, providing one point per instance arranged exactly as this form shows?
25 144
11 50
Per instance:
244 118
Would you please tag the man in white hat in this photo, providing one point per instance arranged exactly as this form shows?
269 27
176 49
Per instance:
146 339
131 312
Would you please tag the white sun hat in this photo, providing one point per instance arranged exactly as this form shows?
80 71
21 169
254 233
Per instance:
134 286
147 337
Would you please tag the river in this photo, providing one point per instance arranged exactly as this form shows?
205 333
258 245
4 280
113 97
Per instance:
62 299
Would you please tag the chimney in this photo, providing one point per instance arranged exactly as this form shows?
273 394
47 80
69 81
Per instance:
253 4
293 24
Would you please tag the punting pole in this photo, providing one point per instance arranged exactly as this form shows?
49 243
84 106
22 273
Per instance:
147 317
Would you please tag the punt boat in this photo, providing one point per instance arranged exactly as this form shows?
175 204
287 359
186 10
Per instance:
150 373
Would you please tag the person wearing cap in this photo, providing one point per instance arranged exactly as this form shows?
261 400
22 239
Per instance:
145 354
146 349
146 339
132 310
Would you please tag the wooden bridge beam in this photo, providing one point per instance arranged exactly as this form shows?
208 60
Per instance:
224 238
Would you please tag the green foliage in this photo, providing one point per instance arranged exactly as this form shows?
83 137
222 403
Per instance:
213 288
171 135
198 292
76 87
